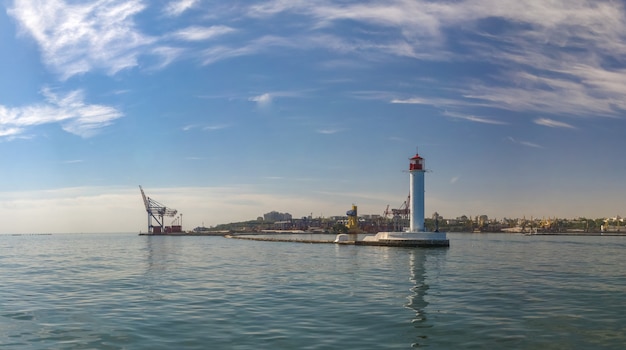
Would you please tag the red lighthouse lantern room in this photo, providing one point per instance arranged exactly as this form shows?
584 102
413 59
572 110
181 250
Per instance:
417 163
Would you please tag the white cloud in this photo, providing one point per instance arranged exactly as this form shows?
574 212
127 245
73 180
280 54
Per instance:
262 100
530 92
206 127
196 33
553 123
70 111
178 7
215 127
462 101
569 46
258 45
10 131
328 131
419 20
473 118
190 127
524 143
530 144
414 100
78 37
556 57
167 55
220 52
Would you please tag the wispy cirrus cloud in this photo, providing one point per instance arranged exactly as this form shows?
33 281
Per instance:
166 55
542 94
262 100
561 57
424 22
178 7
266 99
473 118
557 56
442 102
78 37
263 44
329 131
524 143
553 123
68 110
214 127
198 33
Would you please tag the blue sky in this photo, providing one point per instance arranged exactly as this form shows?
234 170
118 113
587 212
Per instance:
228 110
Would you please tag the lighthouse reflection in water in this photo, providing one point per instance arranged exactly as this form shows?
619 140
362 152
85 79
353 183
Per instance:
418 293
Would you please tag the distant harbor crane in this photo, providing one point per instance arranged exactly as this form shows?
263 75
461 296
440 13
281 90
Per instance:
401 215
157 211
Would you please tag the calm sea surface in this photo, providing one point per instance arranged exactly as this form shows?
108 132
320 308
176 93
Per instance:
487 291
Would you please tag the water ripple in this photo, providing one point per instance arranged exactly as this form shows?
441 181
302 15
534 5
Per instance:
485 292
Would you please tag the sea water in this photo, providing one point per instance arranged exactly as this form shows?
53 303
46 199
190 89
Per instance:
487 291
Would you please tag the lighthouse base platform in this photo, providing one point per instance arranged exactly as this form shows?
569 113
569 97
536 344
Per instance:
399 239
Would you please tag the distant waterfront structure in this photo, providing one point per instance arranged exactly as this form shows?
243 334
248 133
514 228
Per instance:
276 216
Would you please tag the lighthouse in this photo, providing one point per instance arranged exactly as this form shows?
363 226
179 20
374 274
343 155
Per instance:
416 191
416 236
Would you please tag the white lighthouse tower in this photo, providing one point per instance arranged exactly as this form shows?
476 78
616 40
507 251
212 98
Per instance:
416 236
416 190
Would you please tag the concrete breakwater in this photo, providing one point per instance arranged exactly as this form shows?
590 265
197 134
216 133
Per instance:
277 238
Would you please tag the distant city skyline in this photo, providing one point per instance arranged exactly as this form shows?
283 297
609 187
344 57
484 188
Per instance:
226 111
